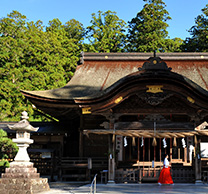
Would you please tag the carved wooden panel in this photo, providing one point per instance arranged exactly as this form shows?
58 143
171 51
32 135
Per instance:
154 103
154 98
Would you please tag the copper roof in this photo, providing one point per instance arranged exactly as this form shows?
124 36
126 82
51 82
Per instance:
99 71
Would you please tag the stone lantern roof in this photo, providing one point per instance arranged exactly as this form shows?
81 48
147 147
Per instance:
23 125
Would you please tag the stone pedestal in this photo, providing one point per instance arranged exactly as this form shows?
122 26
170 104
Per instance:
22 178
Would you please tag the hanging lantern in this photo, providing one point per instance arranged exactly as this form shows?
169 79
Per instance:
154 142
174 142
133 141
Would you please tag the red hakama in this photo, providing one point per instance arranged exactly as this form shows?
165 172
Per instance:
165 176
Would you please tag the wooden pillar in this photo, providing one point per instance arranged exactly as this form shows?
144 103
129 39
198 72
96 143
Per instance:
171 149
138 151
130 146
198 164
149 150
81 147
179 153
160 150
143 152
143 157
111 157
80 143
185 154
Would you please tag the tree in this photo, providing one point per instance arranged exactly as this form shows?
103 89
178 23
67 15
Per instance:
8 149
199 32
173 45
107 32
32 58
148 30
75 30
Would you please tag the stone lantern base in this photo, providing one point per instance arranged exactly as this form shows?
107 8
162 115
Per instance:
22 178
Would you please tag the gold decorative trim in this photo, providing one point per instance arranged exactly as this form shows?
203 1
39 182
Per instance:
119 99
154 88
154 62
86 110
191 100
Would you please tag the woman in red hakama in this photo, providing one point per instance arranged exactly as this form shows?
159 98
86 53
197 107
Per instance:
165 176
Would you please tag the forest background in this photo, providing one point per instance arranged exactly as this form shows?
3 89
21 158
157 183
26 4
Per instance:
38 57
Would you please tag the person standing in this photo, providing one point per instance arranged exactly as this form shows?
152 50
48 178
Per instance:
165 175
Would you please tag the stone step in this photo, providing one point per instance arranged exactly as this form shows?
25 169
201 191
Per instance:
20 175
22 170
23 185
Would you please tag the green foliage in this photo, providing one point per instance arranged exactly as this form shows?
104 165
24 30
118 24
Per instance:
107 33
8 149
75 30
148 30
199 32
32 58
172 45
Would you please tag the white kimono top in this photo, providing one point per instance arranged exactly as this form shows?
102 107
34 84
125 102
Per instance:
166 163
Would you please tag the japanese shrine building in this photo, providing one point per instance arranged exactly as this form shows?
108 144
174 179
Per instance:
132 108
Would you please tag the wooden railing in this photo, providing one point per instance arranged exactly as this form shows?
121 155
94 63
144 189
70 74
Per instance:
183 174
46 167
129 175
69 167
147 173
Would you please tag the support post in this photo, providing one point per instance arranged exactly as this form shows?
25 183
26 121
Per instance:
138 153
80 143
81 136
111 157
160 150
198 163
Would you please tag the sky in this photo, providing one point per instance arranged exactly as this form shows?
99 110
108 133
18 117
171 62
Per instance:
182 12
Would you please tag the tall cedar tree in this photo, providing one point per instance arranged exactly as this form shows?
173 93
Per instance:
32 58
147 31
199 32
107 33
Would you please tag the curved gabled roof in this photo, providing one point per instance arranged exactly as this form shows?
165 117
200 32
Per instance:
100 71
153 73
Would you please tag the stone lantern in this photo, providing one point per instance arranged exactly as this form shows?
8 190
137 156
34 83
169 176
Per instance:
21 176
23 129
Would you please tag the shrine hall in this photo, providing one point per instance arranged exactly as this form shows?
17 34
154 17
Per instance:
122 112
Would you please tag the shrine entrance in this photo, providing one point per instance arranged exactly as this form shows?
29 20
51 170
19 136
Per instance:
137 154
143 163
128 110
151 113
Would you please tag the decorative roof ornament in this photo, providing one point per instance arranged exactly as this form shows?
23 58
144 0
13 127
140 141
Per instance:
155 63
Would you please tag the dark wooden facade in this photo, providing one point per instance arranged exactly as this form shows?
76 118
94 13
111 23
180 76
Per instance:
119 95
